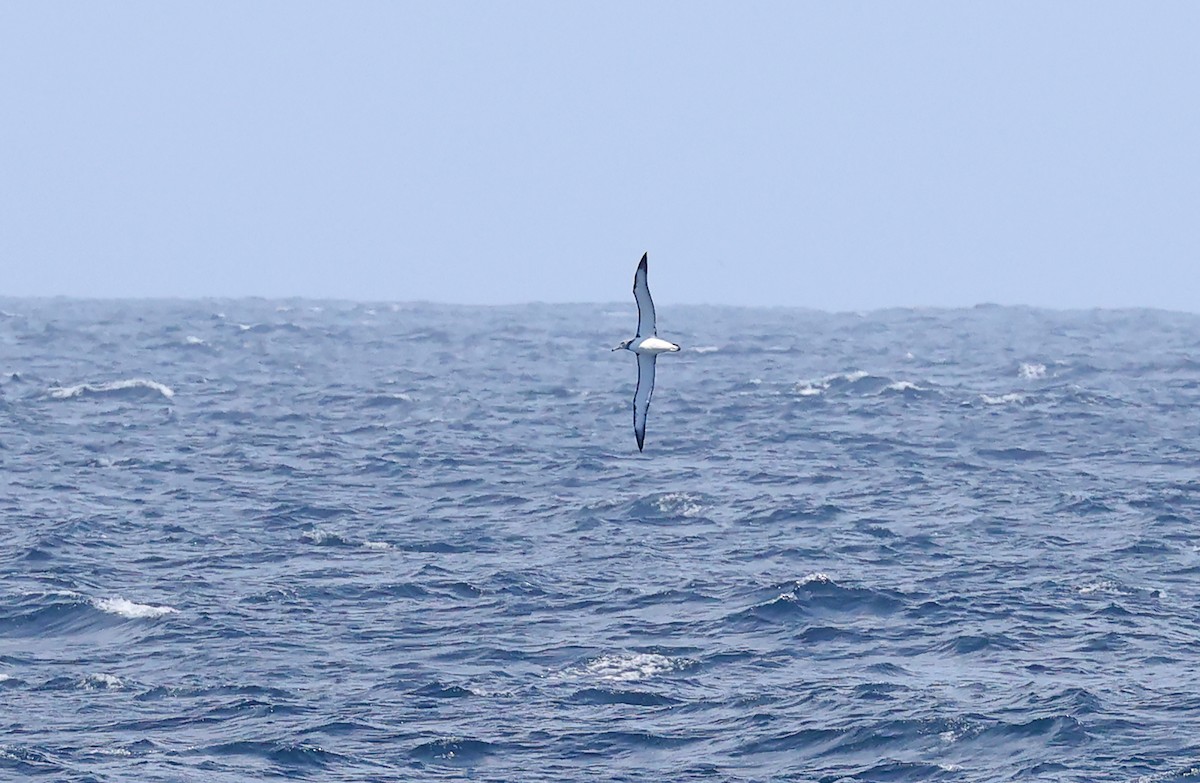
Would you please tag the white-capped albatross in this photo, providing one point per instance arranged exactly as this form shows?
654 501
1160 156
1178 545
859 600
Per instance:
647 346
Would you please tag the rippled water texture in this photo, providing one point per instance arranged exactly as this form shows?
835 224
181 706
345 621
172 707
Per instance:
246 540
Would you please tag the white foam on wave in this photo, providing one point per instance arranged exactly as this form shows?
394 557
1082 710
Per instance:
130 610
194 340
57 593
1104 586
706 349
1003 399
903 386
681 504
1031 371
816 577
376 545
814 386
68 392
100 682
629 667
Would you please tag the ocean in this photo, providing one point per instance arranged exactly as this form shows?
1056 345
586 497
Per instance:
261 540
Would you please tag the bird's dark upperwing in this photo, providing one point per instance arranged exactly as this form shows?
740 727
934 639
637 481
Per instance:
641 292
641 397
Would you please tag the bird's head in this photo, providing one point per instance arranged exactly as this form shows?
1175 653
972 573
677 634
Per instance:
625 344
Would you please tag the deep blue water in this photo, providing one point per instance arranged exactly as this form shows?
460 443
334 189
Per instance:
247 540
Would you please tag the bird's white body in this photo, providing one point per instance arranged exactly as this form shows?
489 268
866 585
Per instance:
647 345
653 345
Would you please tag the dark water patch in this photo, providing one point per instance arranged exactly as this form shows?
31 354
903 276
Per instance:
1013 454
967 644
802 513
636 698
286 757
439 690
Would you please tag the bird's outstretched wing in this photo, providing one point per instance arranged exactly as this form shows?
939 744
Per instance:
641 396
641 292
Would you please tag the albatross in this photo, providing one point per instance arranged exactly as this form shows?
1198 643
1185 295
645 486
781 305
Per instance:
647 345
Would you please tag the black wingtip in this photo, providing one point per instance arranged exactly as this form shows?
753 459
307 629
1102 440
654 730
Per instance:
642 263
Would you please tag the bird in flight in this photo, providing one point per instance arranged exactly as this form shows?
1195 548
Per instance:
647 346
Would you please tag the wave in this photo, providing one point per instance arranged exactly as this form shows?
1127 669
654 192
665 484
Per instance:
668 507
629 667
1004 399
133 388
387 400
454 750
290 756
101 682
904 388
817 595
858 382
129 610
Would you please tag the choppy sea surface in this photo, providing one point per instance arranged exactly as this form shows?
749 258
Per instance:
252 540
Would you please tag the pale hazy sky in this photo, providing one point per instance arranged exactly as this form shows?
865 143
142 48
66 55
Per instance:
836 155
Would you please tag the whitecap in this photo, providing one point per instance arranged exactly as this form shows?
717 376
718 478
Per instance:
1003 399
111 752
376 545
100 682
1031 371
194 340
132 384
130 610
706 349
630 666
1101 586
903 386
815 386
680 504
56 593
817 576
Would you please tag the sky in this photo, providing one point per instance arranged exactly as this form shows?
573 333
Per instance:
836 155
